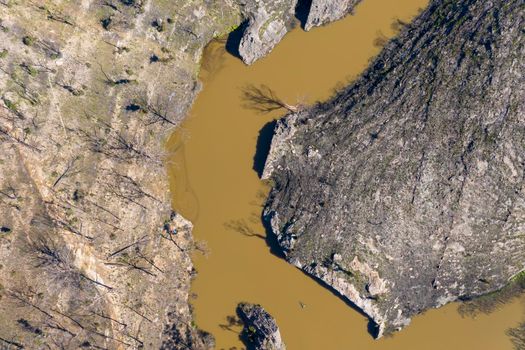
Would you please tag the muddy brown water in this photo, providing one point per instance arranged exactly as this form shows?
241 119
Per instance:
215 186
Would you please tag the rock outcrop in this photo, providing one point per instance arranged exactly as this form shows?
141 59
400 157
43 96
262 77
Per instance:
267 23
406 190
260 329
326 11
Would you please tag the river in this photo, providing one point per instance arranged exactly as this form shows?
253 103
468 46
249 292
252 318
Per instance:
216 187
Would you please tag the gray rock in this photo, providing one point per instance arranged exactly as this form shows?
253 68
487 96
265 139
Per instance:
326 11
260 329
268 22
405 191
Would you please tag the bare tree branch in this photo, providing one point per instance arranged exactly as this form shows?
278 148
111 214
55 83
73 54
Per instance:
114 143
157 112
264 100
138 313
7 134
70 165
139 241
13 343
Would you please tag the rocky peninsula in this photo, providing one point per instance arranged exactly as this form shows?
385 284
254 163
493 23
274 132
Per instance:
405 191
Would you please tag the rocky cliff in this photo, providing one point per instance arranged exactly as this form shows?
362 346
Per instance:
406 191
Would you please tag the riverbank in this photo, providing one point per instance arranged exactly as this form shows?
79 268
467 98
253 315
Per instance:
216 186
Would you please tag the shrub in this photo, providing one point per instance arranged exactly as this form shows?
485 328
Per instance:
106 22
10 105
28 40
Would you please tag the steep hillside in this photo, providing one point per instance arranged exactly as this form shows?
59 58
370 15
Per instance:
91 254
405 191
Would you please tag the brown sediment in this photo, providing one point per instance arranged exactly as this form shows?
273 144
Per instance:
216 186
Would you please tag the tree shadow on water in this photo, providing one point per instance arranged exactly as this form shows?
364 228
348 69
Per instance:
234 40
242 227
264 141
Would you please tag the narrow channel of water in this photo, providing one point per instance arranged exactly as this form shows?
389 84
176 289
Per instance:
216 187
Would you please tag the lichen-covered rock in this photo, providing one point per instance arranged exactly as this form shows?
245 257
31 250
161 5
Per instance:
267 23
326 11
406 190
260 329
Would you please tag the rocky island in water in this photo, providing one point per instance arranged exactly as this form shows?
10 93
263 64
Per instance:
401 193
